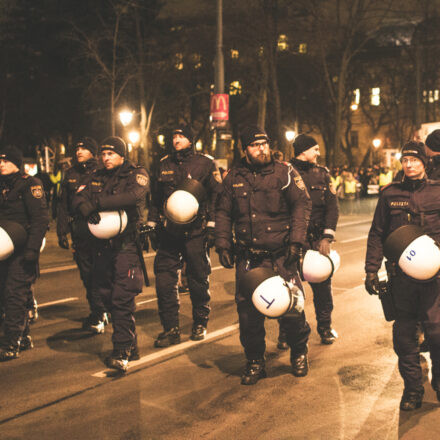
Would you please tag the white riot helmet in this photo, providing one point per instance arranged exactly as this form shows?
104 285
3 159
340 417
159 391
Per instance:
12 237
43 244
317 268
112 223
271 294
183 204
417 254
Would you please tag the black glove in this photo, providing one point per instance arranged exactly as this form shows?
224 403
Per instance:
226 258
293 256
210 237
30 256
154 239
94 218
372 283
86 208
63 242
324 246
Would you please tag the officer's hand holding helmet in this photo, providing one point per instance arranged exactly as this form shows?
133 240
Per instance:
372 283
294 253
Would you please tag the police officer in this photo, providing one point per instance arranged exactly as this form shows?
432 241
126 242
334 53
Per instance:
117 277
433 150
68 221
414 200
22 201
322 226
183 242
266 203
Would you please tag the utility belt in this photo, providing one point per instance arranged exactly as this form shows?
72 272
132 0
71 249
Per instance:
255 257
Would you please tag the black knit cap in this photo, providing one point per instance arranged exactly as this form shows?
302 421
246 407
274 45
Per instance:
89 144
433 141
114 143
251 134
302 143
12 154
185 130
415 149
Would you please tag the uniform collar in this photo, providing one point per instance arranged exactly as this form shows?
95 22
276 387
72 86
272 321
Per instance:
412 185
302 164
265 169
182 155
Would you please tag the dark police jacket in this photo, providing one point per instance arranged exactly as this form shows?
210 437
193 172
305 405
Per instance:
22 200
172 171
325 211
267 207
79 174
433 168
401 203
124 187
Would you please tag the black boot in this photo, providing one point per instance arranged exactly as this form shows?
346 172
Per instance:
300 364
328 335
198 332
134 353
254 371
282 341
167 338
26 343
411 400
10 351
118 360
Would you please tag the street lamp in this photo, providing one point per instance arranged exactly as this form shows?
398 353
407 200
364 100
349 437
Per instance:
376 143
125 116
134 136
290 135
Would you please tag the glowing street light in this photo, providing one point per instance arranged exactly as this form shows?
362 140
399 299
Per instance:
134 137
125 116
161 139
377 142
354 107
290 135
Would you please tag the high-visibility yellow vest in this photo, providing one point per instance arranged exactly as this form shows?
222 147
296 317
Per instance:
350 186
336 181
385 178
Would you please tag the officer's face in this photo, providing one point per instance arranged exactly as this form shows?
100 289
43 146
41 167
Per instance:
311 155
413 168
111 160
180 142
258 153
83 154
7 167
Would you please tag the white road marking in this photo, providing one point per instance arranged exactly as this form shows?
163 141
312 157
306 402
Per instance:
58 301
173 349
58 268
362 237
358 222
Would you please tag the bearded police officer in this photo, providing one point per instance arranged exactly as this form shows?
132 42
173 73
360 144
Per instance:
70 222
414 201
24 219
322 226
181 216
116 193
267 205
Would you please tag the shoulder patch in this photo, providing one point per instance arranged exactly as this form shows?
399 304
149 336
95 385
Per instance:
141 179
163 158
37 191
80 188
299 182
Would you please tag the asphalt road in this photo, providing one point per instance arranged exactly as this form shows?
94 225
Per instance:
61 389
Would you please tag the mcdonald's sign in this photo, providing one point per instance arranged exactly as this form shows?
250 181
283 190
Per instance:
220 107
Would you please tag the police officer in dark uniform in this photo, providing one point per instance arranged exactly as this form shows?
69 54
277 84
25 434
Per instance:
414 200
433 150
117 277
68 221
322 226
183 242
267 205
22 201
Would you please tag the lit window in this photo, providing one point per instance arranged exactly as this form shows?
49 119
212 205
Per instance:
196 60
261 51
355 99
375 96
179 61
302 48
425 94
436 95
431 96
282 43
234 53
235 88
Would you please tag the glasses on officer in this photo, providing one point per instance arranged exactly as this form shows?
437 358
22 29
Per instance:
258 144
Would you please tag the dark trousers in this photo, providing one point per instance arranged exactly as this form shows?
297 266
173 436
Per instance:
416 302
169 260
83 254
16 279
252 331
323 302
118 280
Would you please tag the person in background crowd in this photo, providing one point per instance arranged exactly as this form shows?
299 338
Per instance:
22 203
433 151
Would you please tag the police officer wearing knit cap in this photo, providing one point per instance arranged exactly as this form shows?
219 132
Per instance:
433 151
322 226
22 204
261 222
416 201
117 273
183 242
71 222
